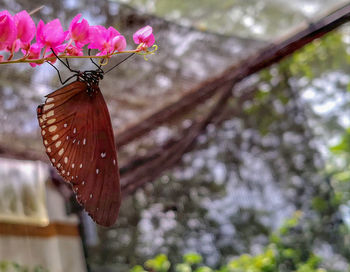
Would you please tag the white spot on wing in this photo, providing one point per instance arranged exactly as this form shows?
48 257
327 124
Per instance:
61 151
65 125
97 170
58 143
51 121
50 113
50 99
47 107
52 128
81 165
49 149
103 155
74 130
53 160
84 141
114 162
65 160
73 165
55 137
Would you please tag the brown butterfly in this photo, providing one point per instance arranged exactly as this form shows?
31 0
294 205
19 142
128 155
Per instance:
78 138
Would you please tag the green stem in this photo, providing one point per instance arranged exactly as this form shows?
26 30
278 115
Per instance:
138 50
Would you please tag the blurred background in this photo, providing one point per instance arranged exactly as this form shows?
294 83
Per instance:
263 185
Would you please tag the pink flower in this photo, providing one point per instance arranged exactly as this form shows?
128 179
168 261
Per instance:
8 31
119 43
70 50
74 51
79 32
33 53
25 29
106 40
50 35
145 36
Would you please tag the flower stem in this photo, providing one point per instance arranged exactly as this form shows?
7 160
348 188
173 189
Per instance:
139 51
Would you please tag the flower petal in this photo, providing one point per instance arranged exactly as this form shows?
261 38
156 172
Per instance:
119 43
79 32
97 37
8 31
25 26
50 35
144 35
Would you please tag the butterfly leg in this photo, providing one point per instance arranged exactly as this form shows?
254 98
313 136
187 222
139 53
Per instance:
59 75
98 66
67 65
58 72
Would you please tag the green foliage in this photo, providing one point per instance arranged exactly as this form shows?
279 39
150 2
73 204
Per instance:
265 262
183 267
290 223
192 258
277 256
344 144
339 167
8 266
314 58
160 263
137 268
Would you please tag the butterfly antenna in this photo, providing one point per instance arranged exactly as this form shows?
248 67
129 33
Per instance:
67 66
120 62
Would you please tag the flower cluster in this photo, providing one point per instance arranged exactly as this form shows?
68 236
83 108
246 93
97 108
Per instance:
17 33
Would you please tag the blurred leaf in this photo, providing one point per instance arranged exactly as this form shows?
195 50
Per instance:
183 268
137 268
204 269
192 258
160 263
319 204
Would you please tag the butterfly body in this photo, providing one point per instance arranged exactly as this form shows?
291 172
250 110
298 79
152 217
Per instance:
78 138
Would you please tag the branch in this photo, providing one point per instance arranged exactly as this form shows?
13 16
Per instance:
264 58
145 169
10 152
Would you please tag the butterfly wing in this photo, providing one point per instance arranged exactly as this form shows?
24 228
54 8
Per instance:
78 137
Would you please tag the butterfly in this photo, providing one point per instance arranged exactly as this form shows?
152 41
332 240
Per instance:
78 137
